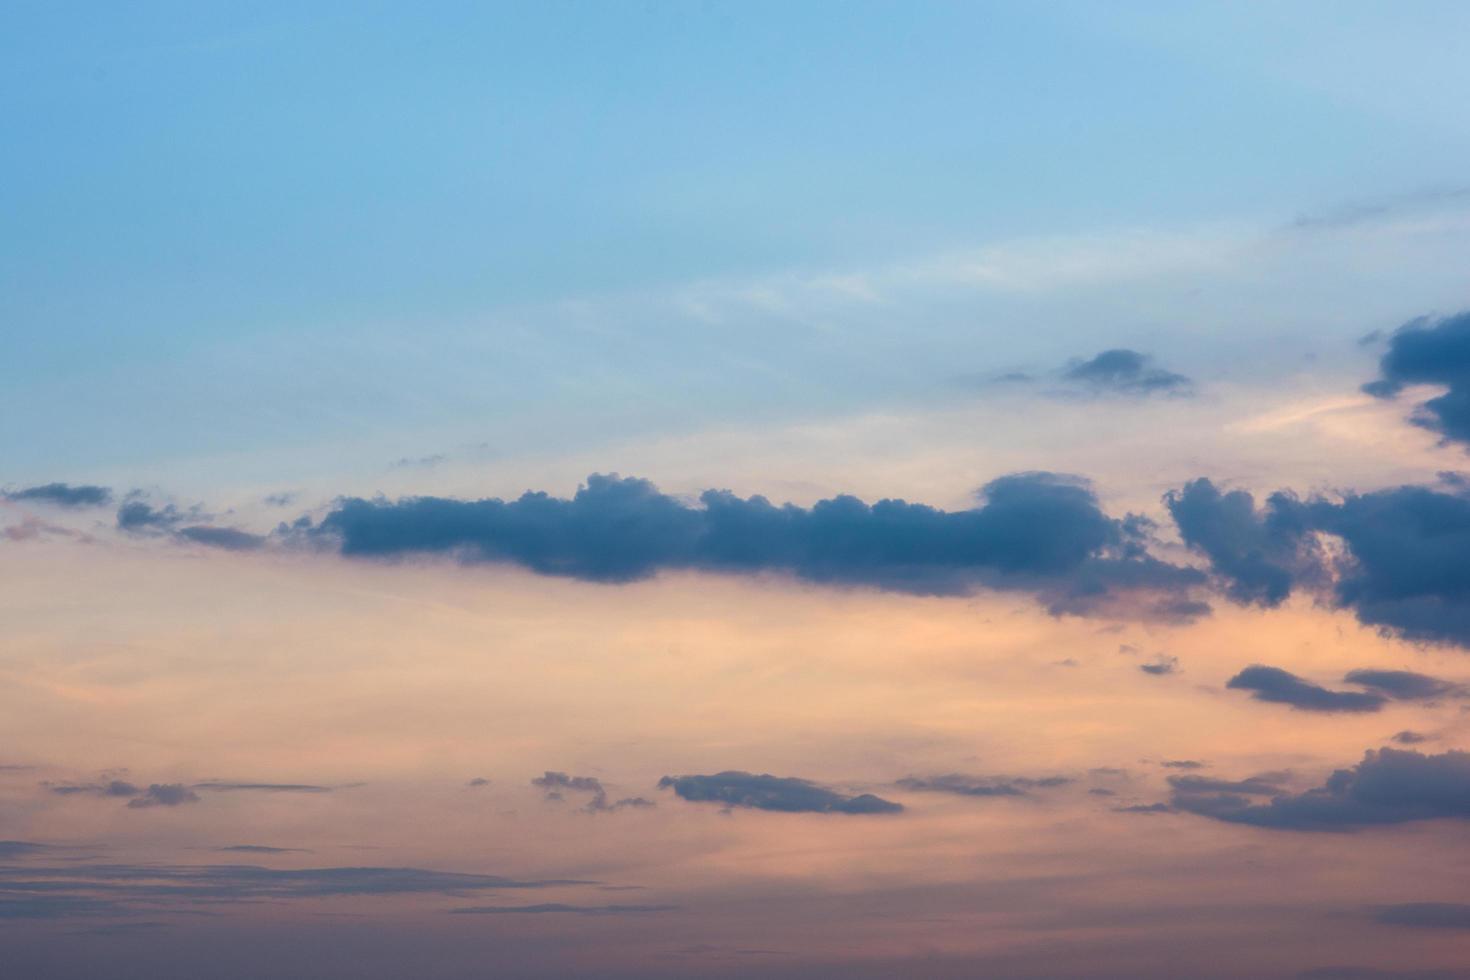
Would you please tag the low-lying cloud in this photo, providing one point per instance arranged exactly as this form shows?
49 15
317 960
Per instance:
779 793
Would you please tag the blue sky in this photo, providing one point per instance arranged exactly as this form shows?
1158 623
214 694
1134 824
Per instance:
194 183
644 489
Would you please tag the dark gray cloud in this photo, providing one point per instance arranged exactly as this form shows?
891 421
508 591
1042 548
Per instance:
1425 915
1437 352
1389 786
556 783
163 794
1407 737
1145 808
1182 764
261 849
779 793
1259 555
980 785
1037 532
63 495
227 538
1127 372
477 782
1283 687
1160 666
1404 567
559 908
1403 685
138 516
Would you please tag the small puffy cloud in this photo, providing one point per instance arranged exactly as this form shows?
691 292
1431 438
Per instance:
1407 737
1160 666
779 793
1278 686
1126 372
63 495
1389 786
139 517
1182 764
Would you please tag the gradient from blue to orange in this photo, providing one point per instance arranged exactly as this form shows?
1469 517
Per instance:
267 271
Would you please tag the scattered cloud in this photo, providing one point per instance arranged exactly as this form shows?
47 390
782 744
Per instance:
556 783
63 495
1437 352
778 793
1126 372
163 794
1283 687
1161 666
1388 786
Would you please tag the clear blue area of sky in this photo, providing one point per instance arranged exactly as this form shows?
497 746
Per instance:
177 175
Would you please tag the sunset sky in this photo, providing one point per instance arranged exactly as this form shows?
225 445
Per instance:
734 490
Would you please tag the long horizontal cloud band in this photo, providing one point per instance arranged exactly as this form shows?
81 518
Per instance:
1034 531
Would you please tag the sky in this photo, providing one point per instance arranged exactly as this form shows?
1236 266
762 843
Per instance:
728 490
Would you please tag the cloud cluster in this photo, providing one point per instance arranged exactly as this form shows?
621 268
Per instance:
137 516
766 792
1037 532
1433 352
155 794
1388 786
556 784
1404 562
